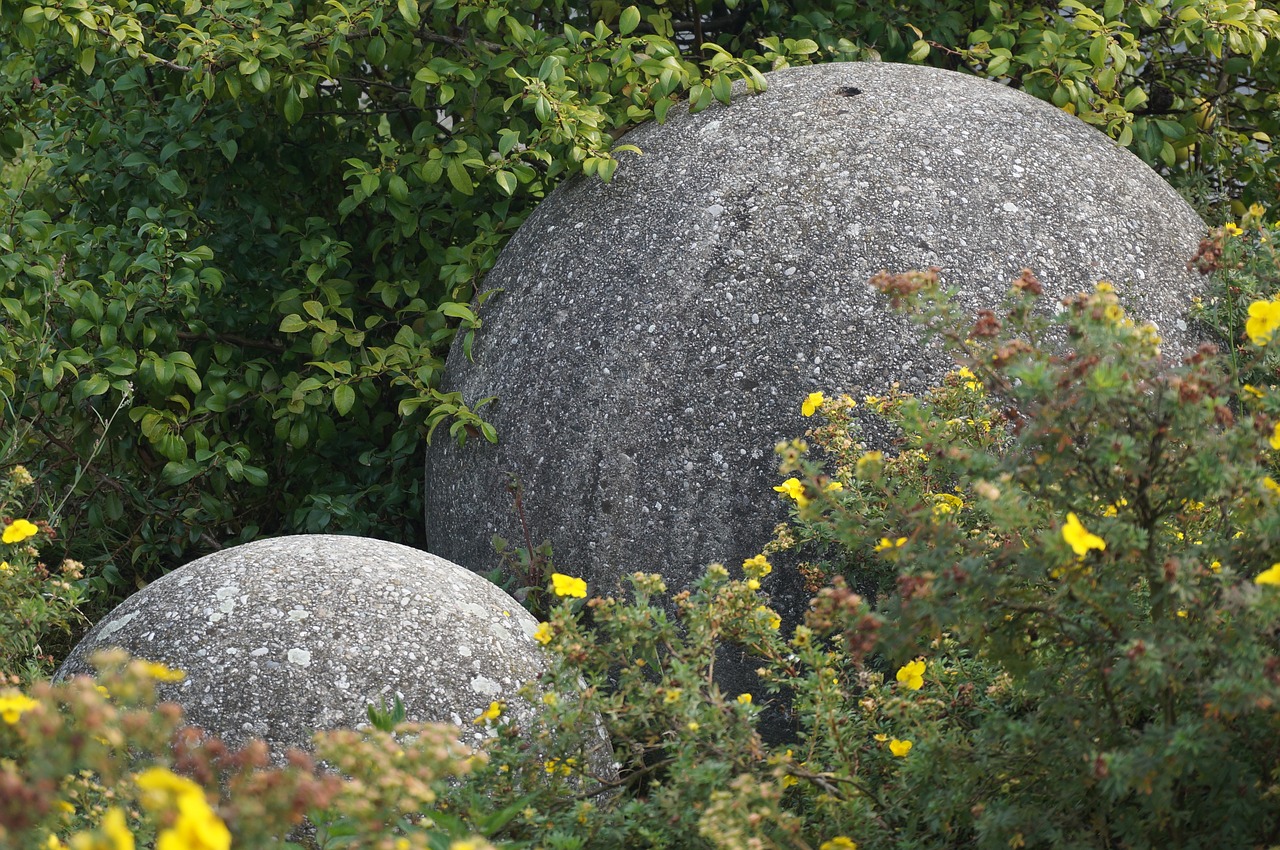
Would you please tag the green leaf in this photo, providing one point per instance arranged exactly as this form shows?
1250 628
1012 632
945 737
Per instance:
171 181
292 106
919 50
292 324
179 472
397 188
1134 98
343 398
722 88
88 58
1111 9
459 178
457 310
229 149
507 181
628 20
409 11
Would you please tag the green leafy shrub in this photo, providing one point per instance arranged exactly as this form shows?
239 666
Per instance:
40 607
259 227
256 228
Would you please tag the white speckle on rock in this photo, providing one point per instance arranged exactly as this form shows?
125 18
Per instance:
259 652
298 615
486 686
116 625
300 657
1009 207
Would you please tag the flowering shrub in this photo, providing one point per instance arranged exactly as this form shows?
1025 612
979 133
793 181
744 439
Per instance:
1045 617
1096 601
39 605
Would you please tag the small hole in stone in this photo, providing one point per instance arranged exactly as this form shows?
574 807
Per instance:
850 91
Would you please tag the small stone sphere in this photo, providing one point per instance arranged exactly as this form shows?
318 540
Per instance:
283 637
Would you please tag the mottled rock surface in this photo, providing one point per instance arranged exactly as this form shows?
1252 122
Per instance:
653 338
283 637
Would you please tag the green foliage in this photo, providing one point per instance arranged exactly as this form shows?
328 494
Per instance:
40 609
1074 541
1068 639
105 764
259 227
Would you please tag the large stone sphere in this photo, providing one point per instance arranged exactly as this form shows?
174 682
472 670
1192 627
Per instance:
653 338
283 637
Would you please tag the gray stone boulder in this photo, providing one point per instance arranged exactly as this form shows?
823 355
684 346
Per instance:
653 338
283 637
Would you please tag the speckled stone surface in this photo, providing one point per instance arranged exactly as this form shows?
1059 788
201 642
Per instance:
654 337
282 637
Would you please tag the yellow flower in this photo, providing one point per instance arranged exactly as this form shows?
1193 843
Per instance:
53 843
1233 229
911 674
162 788
4 567
18 530
1078 538
564 585
753 584
945 503
1264 318
793 488
13 704
899 748
671 695
543 633
970 379
886 543
757 566
550 699
840 842
745 699
1269 576
564 768
870 458
1275 436
493 712
774 620
1216 566
1270 484
880 738
161 673
121 838
811 403
197 828
834 487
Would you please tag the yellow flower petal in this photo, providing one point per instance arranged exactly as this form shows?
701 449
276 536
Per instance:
911 674
564 585
1269 576
1078 538
13 705
811 403
18 530
543 633
899 748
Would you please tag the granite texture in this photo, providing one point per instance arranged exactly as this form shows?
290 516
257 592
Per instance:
283 637
653 338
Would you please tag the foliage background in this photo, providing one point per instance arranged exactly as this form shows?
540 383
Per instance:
238 238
